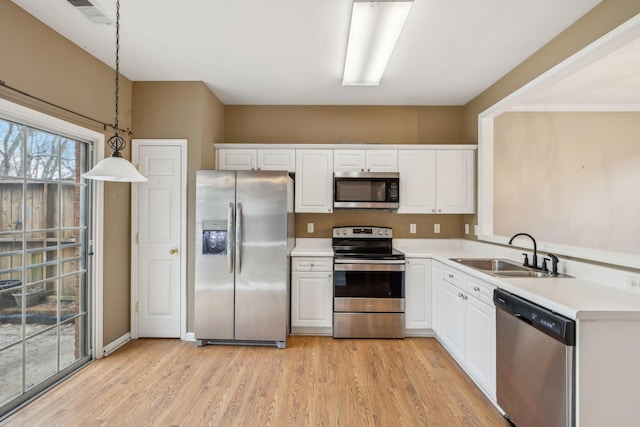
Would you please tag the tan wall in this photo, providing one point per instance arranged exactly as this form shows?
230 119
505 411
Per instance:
39 61
343 124
184 110
353 124
579 173
600 20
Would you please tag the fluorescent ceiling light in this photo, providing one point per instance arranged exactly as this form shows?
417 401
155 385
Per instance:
375 27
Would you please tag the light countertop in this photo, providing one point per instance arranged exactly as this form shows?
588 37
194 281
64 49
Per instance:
574 297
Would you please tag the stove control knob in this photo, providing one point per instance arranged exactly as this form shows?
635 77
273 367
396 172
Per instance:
380 232
386 232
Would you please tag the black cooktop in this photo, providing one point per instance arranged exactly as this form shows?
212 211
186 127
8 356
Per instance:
364 243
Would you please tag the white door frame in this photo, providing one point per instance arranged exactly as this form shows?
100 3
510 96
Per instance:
135 145
21 114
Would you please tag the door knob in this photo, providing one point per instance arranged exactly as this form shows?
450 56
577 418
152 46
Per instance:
173 251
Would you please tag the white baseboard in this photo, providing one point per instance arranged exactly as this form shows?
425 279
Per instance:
190 336
113 346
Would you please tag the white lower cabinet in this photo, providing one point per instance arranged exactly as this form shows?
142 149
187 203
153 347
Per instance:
418 320
436 296
453 320
466 325
480 343
312 295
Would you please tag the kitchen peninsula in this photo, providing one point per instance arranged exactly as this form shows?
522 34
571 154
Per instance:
606 317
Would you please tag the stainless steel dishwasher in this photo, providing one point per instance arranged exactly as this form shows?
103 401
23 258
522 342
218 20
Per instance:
534 363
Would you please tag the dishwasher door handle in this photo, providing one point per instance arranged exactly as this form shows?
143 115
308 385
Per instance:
524 319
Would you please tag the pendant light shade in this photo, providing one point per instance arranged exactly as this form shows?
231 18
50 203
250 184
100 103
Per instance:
115 168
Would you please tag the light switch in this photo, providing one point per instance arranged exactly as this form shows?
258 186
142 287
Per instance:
412 228
309 227
436 228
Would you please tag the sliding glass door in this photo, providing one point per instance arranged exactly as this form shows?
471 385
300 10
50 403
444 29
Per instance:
44 291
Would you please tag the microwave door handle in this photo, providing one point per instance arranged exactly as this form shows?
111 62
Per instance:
239 238
230 238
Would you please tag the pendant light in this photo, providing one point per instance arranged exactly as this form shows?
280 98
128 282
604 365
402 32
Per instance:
115 167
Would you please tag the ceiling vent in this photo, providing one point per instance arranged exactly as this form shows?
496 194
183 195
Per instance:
91 11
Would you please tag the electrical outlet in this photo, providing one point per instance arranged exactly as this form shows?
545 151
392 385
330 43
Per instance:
412 228
633 283
466 229
475 230
436 228
309 227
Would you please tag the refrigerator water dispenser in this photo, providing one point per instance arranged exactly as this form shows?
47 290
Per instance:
214 237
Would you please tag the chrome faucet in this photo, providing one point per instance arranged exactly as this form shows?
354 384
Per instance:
534 262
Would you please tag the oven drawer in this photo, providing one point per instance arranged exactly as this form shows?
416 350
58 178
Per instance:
368 325
373 305
312 264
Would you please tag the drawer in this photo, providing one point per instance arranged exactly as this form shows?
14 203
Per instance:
312 264
453 276
480 289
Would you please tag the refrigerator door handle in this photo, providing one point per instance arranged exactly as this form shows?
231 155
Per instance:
239 238
229 238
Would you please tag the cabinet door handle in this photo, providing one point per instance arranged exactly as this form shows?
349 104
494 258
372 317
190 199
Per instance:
477 289
450 276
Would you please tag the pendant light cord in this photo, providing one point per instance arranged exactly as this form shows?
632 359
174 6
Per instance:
116 142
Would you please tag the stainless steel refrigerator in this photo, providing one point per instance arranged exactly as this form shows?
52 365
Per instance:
244 236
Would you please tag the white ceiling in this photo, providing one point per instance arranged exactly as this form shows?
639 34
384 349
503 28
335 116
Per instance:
291 52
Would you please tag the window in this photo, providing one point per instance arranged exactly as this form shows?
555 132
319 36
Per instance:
44 282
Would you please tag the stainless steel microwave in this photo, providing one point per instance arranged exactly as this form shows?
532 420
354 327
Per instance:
366 190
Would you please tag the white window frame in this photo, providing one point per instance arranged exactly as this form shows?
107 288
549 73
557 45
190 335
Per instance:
26 116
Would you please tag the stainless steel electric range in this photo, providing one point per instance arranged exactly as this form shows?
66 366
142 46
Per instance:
368 284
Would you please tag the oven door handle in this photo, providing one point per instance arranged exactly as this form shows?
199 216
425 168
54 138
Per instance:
368 261
369 267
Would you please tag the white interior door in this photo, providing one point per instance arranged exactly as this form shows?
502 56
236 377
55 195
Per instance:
158 288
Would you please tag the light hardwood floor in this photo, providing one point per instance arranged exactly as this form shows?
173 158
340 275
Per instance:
315 381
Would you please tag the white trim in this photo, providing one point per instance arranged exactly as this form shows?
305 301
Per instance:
116 344
348 145
190 336
619 36
135 145
18 113
579 108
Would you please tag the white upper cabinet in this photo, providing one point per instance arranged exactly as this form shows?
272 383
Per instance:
237 159
417 181
261 159
436 181
365 160
314 181
454 181
277 160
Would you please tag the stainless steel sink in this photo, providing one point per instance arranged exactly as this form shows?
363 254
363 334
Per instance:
492 264
499 267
